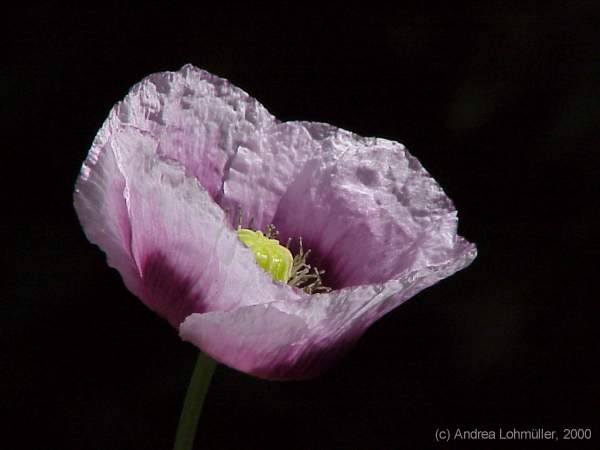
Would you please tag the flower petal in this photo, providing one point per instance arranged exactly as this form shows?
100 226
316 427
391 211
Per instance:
198 119
368 215
300 339
259 175
188 259
100 204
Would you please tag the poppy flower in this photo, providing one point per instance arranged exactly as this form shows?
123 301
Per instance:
187 156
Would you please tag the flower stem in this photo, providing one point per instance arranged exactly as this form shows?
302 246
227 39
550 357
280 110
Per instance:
194 399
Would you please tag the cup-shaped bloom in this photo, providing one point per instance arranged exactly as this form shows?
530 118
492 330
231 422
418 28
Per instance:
184 149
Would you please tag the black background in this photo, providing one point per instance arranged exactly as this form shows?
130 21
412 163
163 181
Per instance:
499 101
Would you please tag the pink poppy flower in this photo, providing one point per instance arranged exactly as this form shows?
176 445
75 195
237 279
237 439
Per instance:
186 148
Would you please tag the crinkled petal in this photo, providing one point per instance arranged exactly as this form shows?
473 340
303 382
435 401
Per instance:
259 175
301 339
369 215
223 137
187 258
198 120
102 210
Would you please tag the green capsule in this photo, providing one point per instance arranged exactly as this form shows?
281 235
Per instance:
270 254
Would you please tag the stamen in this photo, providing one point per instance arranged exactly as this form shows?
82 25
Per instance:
240 217
271 232
304 276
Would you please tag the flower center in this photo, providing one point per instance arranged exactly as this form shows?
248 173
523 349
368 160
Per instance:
270 254
279 262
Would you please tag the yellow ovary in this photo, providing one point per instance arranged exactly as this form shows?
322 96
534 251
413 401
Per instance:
270 254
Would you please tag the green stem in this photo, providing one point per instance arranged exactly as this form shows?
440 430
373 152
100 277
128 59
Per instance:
194 399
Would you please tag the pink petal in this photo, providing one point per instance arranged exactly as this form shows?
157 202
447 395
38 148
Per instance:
259 175
198 120
102 209
223 137
300 339
370 214
187 258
